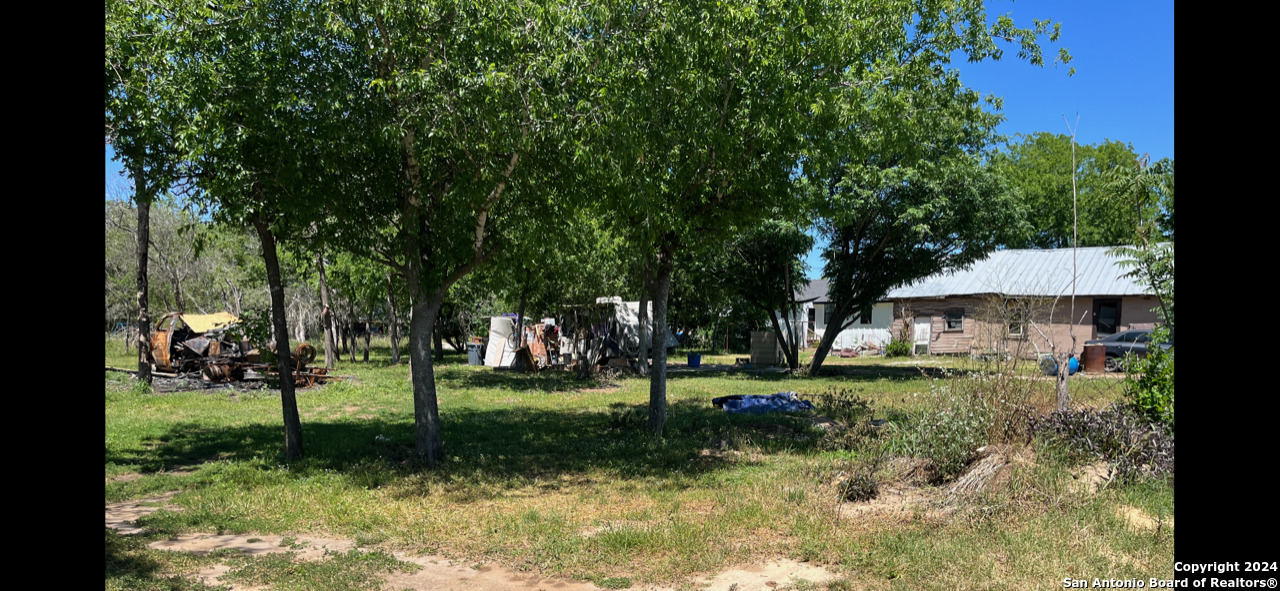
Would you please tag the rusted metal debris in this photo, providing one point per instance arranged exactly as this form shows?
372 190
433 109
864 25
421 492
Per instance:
210 345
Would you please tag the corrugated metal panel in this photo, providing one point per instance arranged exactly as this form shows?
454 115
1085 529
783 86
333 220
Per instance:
1030 273
208 322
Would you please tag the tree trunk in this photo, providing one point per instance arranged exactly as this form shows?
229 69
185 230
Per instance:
794 340
828 338
292 424
644 321
658 378
350 333
178 304
144 239
239 298
326 315
394 327
366 337
340 335
427 440
438 337
1064 390
524 295
782 338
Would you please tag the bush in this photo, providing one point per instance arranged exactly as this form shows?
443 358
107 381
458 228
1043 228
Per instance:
952 428
898 348
1149 385
860 487
1118 434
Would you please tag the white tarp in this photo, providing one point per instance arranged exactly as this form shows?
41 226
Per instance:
627 315
501 351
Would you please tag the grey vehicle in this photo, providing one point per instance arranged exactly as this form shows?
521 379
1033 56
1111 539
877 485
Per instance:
1128 343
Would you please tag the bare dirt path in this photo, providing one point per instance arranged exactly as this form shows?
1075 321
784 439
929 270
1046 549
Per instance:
436 573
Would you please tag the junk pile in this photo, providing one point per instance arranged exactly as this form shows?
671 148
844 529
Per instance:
211 346
586 338
755 403
539 349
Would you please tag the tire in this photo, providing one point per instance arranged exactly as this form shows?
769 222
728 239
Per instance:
1112 363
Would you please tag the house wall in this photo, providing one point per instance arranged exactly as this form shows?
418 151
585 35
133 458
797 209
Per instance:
987 318
876 333
1139 310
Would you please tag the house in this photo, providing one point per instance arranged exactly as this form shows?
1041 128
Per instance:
1020 301
872 329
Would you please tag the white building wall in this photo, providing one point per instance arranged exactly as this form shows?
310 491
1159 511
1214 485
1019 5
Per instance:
875 334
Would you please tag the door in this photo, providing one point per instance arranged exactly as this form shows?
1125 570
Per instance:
1106 317
923 334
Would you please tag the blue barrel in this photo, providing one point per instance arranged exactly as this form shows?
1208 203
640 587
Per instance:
695 360
1050 366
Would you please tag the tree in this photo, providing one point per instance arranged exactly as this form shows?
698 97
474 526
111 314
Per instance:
889 227
1150 256
140 132
253 87
1038 167
766 269
709 108
895 171
465 93
704 107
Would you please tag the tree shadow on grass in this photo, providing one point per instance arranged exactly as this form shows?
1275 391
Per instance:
129 567
487 378
854 373
488 451
565 381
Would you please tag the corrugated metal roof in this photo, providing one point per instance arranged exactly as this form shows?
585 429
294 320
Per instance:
1030 273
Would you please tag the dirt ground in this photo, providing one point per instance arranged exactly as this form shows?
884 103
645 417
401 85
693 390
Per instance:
437 573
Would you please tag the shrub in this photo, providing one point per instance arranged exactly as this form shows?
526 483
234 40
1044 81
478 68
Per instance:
1118 434
1149 385
859 487
898 348
952 428
842 404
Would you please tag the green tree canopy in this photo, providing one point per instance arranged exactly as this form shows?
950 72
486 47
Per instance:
1038 168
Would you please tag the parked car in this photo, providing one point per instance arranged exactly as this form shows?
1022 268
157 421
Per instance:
1127 343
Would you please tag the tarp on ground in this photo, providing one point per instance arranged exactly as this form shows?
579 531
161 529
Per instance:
756 403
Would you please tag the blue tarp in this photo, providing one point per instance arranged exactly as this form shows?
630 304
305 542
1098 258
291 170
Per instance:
752 403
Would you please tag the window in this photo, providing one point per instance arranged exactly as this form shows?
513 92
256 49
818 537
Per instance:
1016 315
827 308
865 316
954 321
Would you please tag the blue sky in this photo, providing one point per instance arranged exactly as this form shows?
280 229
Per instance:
1122 89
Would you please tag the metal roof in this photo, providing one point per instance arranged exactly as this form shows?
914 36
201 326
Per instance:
816 290
1031 273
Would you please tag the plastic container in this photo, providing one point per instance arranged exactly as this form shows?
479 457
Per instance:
474 354
1050 366
695 360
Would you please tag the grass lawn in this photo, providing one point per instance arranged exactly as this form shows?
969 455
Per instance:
550 474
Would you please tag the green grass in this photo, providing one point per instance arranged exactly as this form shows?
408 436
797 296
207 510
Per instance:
550 473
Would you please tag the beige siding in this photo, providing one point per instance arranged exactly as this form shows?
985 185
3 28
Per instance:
986 321
1139 311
